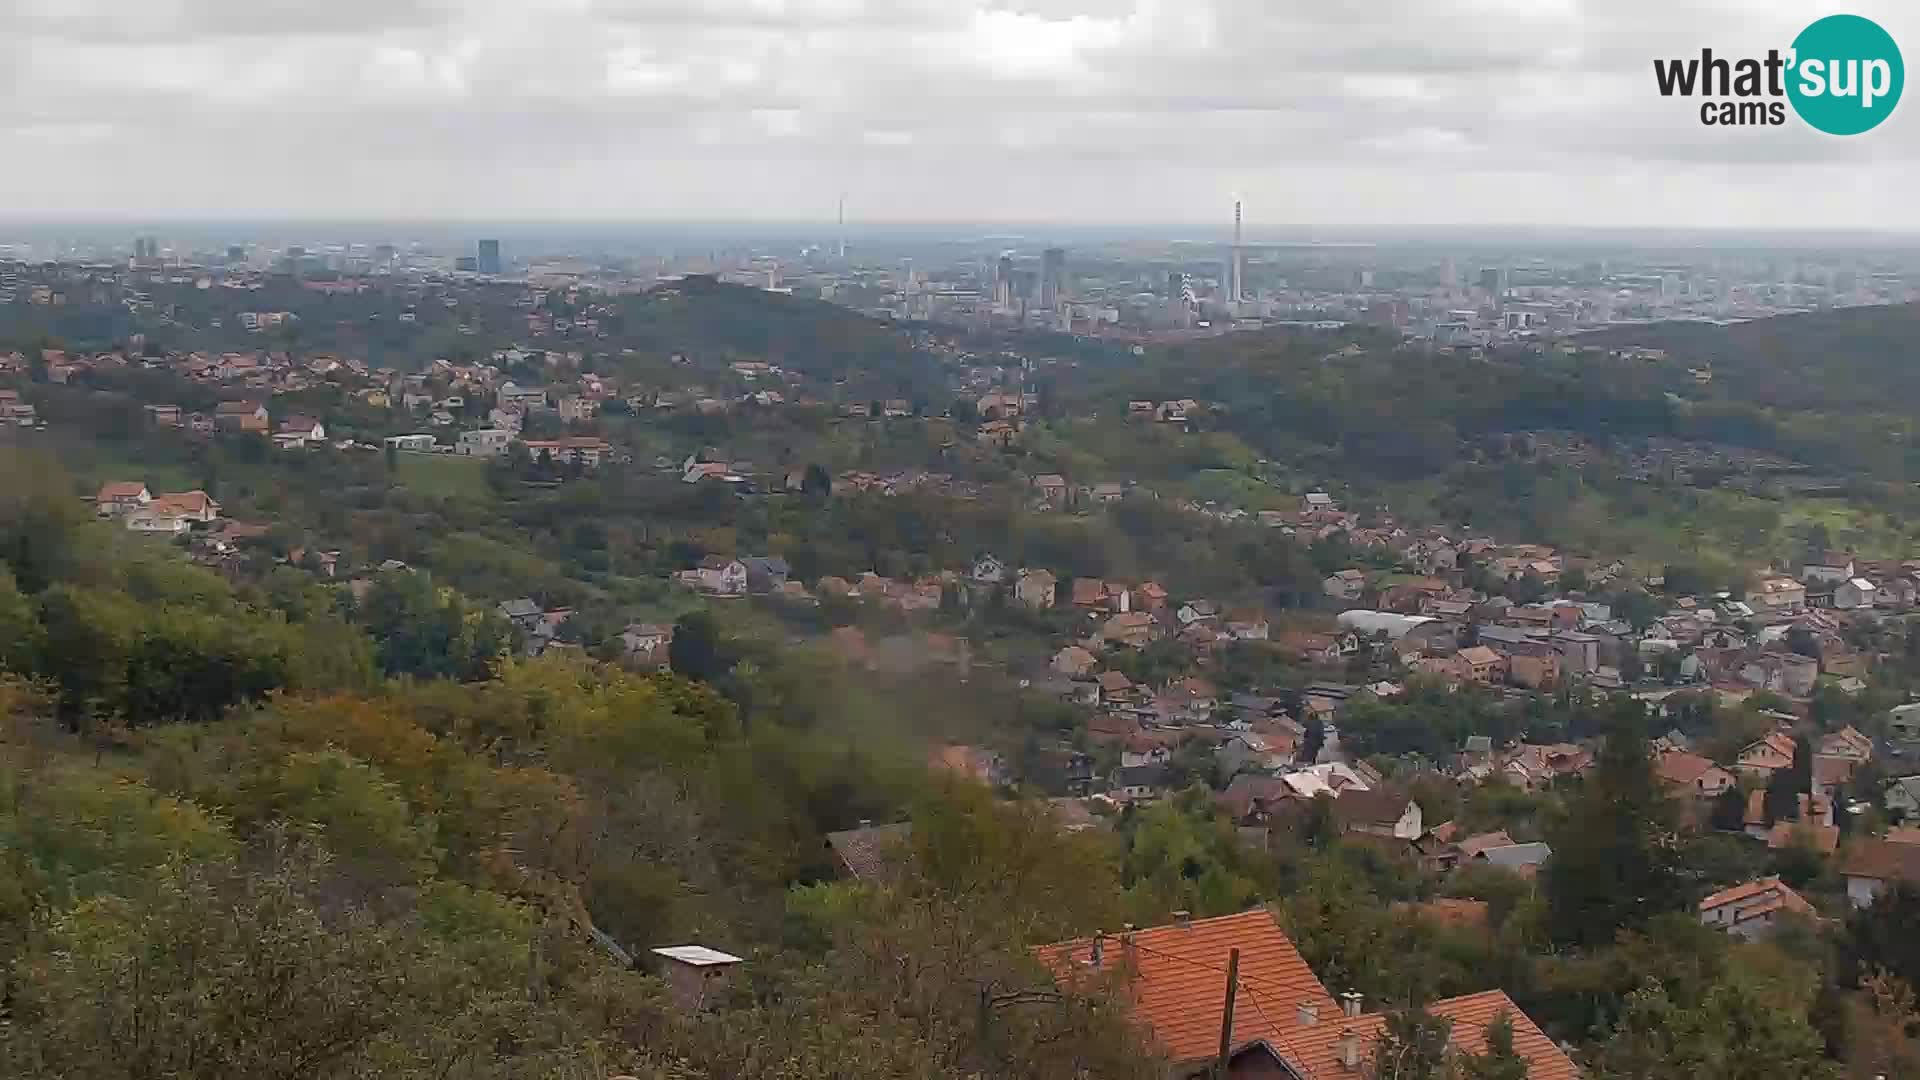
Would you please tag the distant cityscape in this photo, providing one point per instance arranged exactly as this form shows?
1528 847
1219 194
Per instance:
1456 289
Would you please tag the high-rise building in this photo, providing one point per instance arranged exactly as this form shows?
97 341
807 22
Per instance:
1236 264
489 260
1053 278
384 255
146 248
1174 280
236 254
1494 280
1003 282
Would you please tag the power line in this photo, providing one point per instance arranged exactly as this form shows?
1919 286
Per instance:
1253 996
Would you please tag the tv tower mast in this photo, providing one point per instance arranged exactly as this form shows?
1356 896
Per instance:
1236 268
843 225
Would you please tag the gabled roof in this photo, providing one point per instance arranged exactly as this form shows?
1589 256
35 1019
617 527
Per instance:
185 502
1776 743
1882 860
1763 895
1682 767
125 489
1314 1053
1376 807
1176 976
1474 845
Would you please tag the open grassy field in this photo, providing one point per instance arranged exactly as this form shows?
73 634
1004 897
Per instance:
443 474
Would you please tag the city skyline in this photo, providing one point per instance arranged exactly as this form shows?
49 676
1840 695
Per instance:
1468 112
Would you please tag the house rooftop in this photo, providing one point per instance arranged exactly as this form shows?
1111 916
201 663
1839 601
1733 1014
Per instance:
1178 972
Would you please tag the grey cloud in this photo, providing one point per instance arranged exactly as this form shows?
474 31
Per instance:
1399 110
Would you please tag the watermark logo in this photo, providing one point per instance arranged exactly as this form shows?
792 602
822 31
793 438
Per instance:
1843 76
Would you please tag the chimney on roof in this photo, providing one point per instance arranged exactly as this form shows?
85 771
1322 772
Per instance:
1350 1003
1099 949
1183 919
1349 1049
1308 1014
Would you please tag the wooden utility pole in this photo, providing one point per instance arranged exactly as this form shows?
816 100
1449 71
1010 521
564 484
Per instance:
1226 1015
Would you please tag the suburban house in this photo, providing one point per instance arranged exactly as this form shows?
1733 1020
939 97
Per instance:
587 450
1779 595
300 431
1379 813
1133 630
1830 568
1762 756
1345 585
1034 588
1284 1025
121 498
1697 775
484 442
989 570
717 575
1097 595
1073 661
522 613
192 506
152 522
647 638
1855 593
1847 743
765 573
241 416
1751 910
1903 722
1534 672
1534 765
422 443
1251 751
1902 797
523 397
1197 611
1870 865
1052 488
1482 664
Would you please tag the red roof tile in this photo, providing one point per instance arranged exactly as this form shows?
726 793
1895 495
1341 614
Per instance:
1179 978
1314 1053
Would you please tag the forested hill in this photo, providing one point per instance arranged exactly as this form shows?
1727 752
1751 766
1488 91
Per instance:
407 328
812 336
1862 358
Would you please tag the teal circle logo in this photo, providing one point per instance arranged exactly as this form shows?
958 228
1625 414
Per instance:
1846 75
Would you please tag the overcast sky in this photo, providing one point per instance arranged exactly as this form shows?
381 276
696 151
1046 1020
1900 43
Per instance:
1330 111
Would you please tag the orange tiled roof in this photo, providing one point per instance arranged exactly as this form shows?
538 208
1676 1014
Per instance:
190 502
1681 767
1179 976
1314 1052
1781 897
